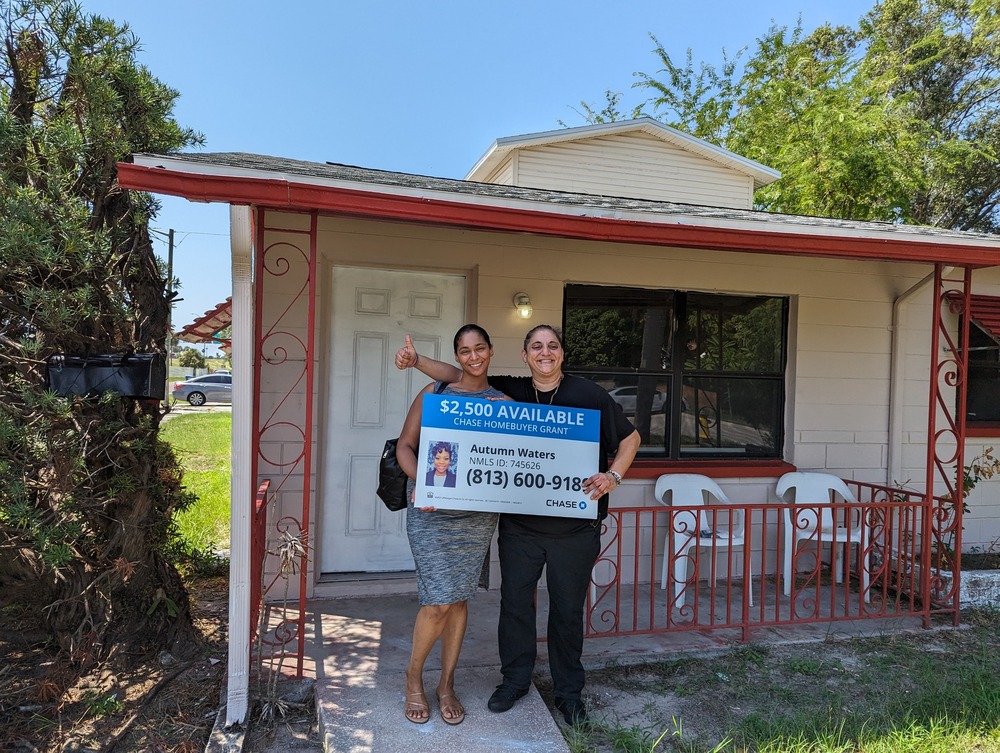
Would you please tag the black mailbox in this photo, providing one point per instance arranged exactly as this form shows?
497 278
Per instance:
141 375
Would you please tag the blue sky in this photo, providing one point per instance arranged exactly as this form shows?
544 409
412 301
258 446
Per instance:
422 87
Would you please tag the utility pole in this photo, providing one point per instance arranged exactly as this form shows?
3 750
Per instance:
170 312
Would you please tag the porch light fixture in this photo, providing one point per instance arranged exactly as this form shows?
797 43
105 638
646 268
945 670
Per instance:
523 305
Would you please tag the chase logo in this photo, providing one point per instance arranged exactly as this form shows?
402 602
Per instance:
583 505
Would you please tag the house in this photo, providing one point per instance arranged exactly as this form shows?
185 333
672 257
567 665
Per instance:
748 343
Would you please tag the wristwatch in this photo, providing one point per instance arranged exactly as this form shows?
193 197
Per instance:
616 476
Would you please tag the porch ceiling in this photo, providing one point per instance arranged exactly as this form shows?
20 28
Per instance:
257 180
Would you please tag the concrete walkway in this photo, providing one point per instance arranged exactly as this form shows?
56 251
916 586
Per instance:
362 646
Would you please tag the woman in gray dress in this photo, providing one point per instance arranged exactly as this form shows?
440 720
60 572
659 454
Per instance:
448 545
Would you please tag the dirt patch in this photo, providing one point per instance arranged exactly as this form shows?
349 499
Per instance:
165 702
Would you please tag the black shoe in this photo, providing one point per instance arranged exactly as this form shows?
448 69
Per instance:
573 710
504 697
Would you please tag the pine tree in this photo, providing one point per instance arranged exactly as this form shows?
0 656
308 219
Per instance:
87 490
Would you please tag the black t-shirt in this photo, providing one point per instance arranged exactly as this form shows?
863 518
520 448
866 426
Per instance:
573 392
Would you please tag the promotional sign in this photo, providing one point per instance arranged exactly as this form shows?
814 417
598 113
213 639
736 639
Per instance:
501 456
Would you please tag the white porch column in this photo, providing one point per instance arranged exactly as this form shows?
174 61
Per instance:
242 491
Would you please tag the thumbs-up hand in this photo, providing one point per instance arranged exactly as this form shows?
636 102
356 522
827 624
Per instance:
406 356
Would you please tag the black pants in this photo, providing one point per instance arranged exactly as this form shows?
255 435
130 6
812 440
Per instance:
569 559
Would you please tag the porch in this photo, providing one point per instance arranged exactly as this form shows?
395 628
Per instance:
903 538
904 532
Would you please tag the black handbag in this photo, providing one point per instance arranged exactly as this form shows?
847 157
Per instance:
391 478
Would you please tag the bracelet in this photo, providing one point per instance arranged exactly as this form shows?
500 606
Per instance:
616 476
416 359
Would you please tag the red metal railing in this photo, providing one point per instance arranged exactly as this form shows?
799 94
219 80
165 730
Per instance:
258 550
874 565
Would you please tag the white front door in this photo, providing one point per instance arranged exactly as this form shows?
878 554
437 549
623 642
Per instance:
368 398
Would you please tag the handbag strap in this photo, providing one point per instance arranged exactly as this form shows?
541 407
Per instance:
439 387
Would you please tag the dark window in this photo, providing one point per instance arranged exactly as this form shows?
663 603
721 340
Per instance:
699 374
983 399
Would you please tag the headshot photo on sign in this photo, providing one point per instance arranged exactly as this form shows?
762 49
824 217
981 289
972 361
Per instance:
441 471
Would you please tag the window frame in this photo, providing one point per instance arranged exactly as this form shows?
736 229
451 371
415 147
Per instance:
970 420
676 372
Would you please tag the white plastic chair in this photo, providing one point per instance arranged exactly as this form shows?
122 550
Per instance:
818 524
691 529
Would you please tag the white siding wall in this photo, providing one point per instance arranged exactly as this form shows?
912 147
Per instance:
842 377
915 323
634 165
504 173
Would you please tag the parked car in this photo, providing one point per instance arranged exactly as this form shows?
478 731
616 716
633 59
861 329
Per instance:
210 388
625 397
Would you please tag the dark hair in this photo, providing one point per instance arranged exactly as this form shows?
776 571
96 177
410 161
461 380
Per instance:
555 331
445 446
465 329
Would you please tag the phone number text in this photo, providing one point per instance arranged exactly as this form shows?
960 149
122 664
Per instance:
502 479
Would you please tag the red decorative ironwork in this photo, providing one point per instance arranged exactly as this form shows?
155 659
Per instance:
286 273
627 595
941 558
606 575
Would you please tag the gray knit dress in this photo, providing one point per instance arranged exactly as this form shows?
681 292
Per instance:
449 546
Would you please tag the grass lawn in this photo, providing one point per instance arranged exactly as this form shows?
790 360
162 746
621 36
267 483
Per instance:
202 443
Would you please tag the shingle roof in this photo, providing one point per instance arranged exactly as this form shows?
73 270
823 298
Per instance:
604 206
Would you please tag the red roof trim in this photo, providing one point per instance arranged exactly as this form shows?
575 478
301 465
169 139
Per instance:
372 205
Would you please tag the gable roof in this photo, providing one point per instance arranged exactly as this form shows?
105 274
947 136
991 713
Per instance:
343 190
761 174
